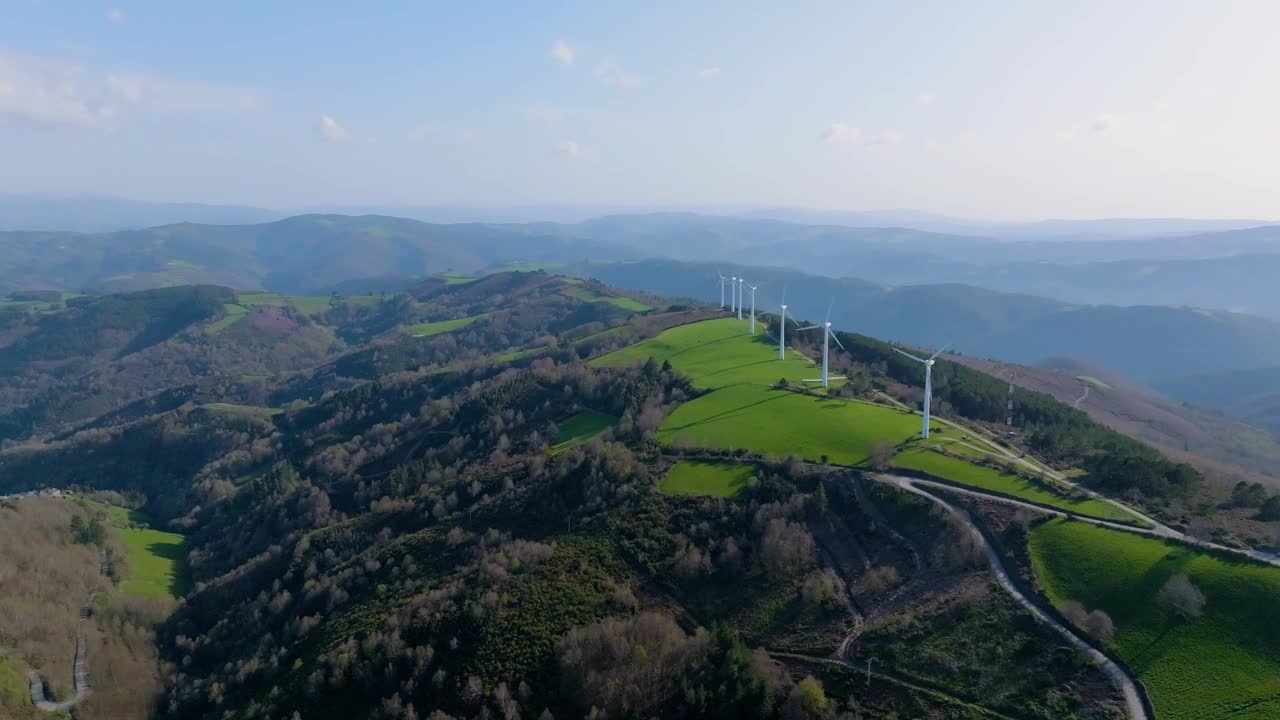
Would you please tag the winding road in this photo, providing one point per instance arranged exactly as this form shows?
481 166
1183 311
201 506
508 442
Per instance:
1132 696
79 670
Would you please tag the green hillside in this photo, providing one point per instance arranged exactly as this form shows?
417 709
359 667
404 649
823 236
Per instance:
699 477
1223 664
781 422
715 354
427 329
986 478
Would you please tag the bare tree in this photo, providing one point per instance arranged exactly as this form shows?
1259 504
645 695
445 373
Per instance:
1182 597
881 454
1074 611
1098 624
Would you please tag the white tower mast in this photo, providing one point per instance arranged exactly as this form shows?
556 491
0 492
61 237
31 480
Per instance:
928 385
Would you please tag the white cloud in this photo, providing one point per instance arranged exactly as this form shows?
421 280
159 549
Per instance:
117 16
569 148
1104 122
710 73
926 99
58 92
845 134
610 72
548 116
333 131
128 89
564 52
842 134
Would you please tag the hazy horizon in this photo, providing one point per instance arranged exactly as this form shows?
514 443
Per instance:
998 112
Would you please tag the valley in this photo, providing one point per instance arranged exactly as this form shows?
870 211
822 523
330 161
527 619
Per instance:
555 463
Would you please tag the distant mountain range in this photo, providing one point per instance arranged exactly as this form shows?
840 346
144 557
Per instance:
102 213
1149 343
308 253
903 284
1251 395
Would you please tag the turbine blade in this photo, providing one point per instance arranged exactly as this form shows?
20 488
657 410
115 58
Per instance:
940 351
828 317
810 327
784 294
833 337
913 357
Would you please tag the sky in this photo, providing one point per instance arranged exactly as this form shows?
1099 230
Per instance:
992 110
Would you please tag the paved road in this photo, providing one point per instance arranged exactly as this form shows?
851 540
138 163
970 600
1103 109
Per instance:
1156 530
1133 698
79 671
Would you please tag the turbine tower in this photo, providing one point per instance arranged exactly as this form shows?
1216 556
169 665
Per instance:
827 337
741 282
928 384
733 294
722 281
782 329
753 307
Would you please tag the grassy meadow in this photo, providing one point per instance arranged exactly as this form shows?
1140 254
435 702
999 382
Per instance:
157 559
428 329
582 427
986 478
717 353
781 422
698 477
625 303
1223 664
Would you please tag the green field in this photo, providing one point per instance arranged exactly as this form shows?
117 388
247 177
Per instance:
428 329
966 473
235 313
698 477
157 559
716 354
232 408
784 423
625 303
581 428
1224 664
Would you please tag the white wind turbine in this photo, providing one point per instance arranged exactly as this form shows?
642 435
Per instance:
741 282
928 384
722 281
782 329
827 337
753 307
733 294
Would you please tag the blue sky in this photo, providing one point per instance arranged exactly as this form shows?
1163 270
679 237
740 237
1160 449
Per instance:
994 110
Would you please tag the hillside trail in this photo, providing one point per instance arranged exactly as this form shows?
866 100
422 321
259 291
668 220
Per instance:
79 666
1076 403
1137 709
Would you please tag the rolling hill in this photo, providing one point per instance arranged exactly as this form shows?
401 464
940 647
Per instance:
1149 343
1221 448
301 254
1251 395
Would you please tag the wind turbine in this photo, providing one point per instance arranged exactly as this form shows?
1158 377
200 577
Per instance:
733 294
741 282
753 307
928 384
722 279
827 337
782 329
